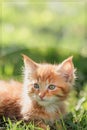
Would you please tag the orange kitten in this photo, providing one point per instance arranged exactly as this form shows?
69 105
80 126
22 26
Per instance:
41 99
46 87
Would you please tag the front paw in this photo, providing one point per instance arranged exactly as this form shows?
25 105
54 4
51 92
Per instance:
42 125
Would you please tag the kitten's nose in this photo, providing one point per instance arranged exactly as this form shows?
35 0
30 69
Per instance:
41 95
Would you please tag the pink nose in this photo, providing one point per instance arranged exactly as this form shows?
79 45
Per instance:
41 95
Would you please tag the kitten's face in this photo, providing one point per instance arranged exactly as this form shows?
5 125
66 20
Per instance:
46 83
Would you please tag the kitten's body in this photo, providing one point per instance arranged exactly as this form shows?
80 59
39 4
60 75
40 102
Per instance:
10 99
42 96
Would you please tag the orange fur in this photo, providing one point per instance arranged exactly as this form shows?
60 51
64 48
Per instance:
9 99
42 96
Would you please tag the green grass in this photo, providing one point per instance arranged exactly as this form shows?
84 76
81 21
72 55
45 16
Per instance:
18 125
76 120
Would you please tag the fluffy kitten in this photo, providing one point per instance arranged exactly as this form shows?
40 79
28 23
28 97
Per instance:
46 86
41 99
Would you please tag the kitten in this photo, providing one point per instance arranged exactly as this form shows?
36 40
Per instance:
41 99
46 86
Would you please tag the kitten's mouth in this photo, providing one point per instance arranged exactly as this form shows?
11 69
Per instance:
42 100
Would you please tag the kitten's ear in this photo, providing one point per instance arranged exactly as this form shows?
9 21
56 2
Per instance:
67 69
29 64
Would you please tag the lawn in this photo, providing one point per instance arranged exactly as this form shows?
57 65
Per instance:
76 120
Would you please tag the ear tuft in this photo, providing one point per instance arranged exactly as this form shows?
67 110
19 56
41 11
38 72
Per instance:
67 69
24 56
67 65
29 63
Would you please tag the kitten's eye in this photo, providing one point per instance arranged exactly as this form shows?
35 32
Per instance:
51 87
36 86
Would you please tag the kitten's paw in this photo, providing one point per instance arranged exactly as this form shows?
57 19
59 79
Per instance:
42 125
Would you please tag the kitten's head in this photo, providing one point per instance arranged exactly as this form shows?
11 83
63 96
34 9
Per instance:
47 83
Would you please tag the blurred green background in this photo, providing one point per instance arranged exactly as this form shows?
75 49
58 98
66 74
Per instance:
45 30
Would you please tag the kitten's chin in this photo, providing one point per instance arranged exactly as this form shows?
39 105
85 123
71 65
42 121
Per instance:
43 102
